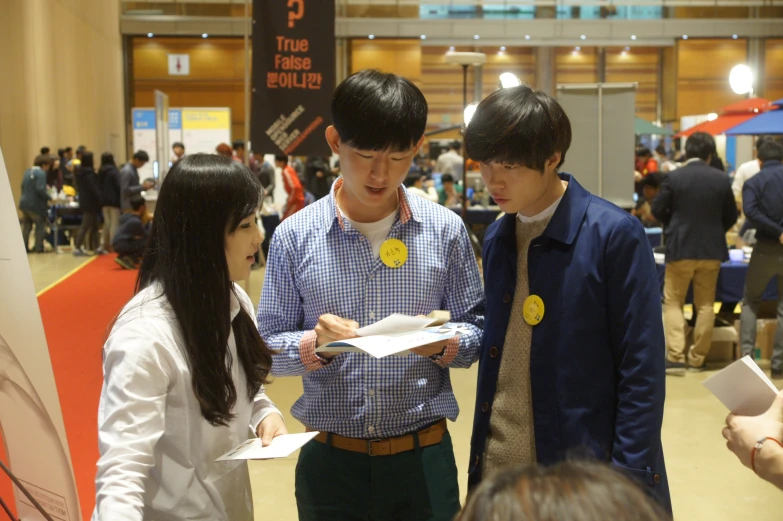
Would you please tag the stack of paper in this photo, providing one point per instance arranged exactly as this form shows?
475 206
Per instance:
743 388
396 335
281 447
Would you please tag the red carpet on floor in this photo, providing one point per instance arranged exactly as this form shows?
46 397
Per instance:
76 316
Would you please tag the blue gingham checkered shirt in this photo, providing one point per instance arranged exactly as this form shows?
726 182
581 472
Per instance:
319 264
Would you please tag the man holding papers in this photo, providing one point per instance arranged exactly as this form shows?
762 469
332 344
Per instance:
572 358
353 258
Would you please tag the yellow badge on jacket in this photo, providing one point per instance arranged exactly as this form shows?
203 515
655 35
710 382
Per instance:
533 310
394 253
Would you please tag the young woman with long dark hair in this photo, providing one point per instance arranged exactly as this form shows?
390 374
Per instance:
184 365
90 204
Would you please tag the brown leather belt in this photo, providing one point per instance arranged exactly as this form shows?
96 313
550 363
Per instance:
431 435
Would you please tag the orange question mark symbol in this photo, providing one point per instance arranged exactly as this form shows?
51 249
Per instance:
293 16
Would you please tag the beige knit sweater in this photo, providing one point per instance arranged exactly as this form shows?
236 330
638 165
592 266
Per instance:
511 438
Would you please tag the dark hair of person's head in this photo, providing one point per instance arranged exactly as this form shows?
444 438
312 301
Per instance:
178 144
203 197
568 491
225 150
107 159
42 160
45 151
643 152
518 126
446 178
377 111
68 149
88 161
653 180
61 152
660 150
141 155
455 145
700 145
238 144
81 149
763 139
412 179
771 151
281 158
136 202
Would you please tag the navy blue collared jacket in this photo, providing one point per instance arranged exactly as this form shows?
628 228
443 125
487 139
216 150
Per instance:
597 363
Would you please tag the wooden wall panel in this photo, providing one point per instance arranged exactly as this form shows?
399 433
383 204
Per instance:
773 70
216 79
703 74
441 84
573 66
402 57
517 60
640 65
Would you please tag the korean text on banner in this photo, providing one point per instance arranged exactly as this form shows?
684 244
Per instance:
293 75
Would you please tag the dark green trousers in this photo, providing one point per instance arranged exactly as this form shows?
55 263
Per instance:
340 485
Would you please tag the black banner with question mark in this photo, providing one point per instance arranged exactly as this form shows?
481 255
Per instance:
293 76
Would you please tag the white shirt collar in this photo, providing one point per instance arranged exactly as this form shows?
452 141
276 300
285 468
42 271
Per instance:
549 212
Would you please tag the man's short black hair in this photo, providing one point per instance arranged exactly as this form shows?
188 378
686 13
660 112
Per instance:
455 145
518 126
412 179
81 149
178 144
653 180
372 110
281 158
42 160
141 155
68 149
700 145
238 144
660 150
643 152
136 202
763 139
45 151
771 151
446 178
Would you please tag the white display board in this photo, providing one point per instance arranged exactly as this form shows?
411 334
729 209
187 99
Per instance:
203 129
144 138
31 423
175 129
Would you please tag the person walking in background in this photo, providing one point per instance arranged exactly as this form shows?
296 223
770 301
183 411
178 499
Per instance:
34 202
129 179
178 152
293 187
451 162
90 204
318 176
132 233
109 180
697 207
762 197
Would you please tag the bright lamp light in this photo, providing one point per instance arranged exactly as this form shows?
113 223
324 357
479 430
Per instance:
470 110
509 79
741 79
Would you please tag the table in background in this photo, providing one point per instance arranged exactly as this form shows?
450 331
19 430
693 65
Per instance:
654 236
64 217
478 218
731 283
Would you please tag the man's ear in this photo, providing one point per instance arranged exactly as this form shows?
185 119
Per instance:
418 145
552 162
333 138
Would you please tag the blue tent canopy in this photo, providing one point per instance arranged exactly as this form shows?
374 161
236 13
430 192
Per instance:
765 123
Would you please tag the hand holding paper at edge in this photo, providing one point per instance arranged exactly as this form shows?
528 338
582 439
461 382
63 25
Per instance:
743 388
281 447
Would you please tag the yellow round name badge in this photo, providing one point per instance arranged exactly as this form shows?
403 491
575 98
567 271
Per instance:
394 253
533 310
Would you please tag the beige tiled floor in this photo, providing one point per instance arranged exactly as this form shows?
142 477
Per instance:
707 482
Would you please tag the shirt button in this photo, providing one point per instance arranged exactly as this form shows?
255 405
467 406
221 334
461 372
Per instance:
485 407
370 429
507 298
372 314
371 392
493 352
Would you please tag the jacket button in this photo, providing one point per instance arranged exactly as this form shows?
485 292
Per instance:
507 298
493 352
657 478
485 407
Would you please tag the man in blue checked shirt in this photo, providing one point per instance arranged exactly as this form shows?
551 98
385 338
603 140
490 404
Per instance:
384 452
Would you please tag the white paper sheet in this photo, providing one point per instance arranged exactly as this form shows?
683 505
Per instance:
380 346
396 323
743 388
281 447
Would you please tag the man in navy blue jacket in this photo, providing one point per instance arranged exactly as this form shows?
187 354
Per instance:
762 199
572 358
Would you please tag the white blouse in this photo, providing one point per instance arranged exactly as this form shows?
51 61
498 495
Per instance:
157 451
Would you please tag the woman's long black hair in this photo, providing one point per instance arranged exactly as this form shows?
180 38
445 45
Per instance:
203 198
